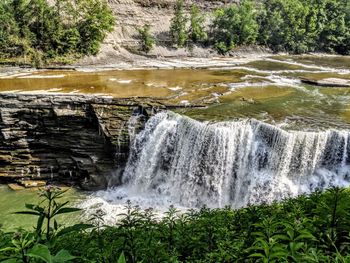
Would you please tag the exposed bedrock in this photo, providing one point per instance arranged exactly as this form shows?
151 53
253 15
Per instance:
68 138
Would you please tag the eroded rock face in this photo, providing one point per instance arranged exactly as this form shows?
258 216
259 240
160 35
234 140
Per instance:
68 138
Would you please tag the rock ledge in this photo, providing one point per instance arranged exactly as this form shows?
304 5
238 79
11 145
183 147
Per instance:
74 139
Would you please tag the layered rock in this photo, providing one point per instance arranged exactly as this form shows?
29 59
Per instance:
123 43
68 138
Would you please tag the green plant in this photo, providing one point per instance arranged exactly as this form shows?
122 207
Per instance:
147 40
235 25
46 30
197 33
309 228
43 253
178 25
26 246
47 211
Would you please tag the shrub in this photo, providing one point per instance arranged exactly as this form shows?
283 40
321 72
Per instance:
54 30
311 228
197 33
235 25
147 40
178 30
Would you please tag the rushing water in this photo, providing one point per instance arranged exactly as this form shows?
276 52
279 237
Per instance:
177 160
233 163
268 89
263 136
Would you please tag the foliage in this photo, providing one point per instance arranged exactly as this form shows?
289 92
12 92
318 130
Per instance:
147 40
300 26
235 25
178 30
39 31
97 20
24 246
295 26
197 33
311 228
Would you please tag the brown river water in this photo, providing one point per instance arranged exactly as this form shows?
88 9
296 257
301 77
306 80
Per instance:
268 89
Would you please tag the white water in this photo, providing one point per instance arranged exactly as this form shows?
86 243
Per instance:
180 161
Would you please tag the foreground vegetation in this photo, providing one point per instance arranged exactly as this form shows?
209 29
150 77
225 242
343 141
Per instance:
311 228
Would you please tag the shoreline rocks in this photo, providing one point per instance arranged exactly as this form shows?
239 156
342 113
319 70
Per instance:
328 82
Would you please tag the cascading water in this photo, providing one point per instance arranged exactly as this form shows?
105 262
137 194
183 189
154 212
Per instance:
190 163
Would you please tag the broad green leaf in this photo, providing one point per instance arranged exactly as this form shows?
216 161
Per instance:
39 224
257 255
66 210
42 252
121 258
63 256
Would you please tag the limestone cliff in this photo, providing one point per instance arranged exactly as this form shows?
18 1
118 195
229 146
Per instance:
68 138
132 15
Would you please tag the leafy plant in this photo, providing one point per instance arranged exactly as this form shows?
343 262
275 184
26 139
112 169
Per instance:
147 40
48 210
178 25
235 25
197 33
312 228
39 30
26 245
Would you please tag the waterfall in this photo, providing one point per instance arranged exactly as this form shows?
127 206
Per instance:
233 163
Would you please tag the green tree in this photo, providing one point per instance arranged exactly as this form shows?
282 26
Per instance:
41 30
178 30
235 25
288 26
93 27
197 31
335 34
147 40
8 28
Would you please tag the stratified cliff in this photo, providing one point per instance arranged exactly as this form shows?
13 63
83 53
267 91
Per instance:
68 138
132 15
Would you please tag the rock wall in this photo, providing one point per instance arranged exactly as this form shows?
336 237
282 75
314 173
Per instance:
123 42
68 138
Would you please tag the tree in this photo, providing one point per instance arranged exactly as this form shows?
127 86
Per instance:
147 40
235 25
335 33
40 30
8 28
197 30
178 30
289 25
93 27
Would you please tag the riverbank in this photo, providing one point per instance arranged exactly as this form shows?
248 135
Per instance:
312 228
130 61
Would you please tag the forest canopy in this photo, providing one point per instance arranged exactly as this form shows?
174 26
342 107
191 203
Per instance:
295 26
39 30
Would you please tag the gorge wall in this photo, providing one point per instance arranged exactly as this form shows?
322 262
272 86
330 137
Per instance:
68 138
131 15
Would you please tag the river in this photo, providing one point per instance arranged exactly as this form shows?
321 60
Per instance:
263 135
